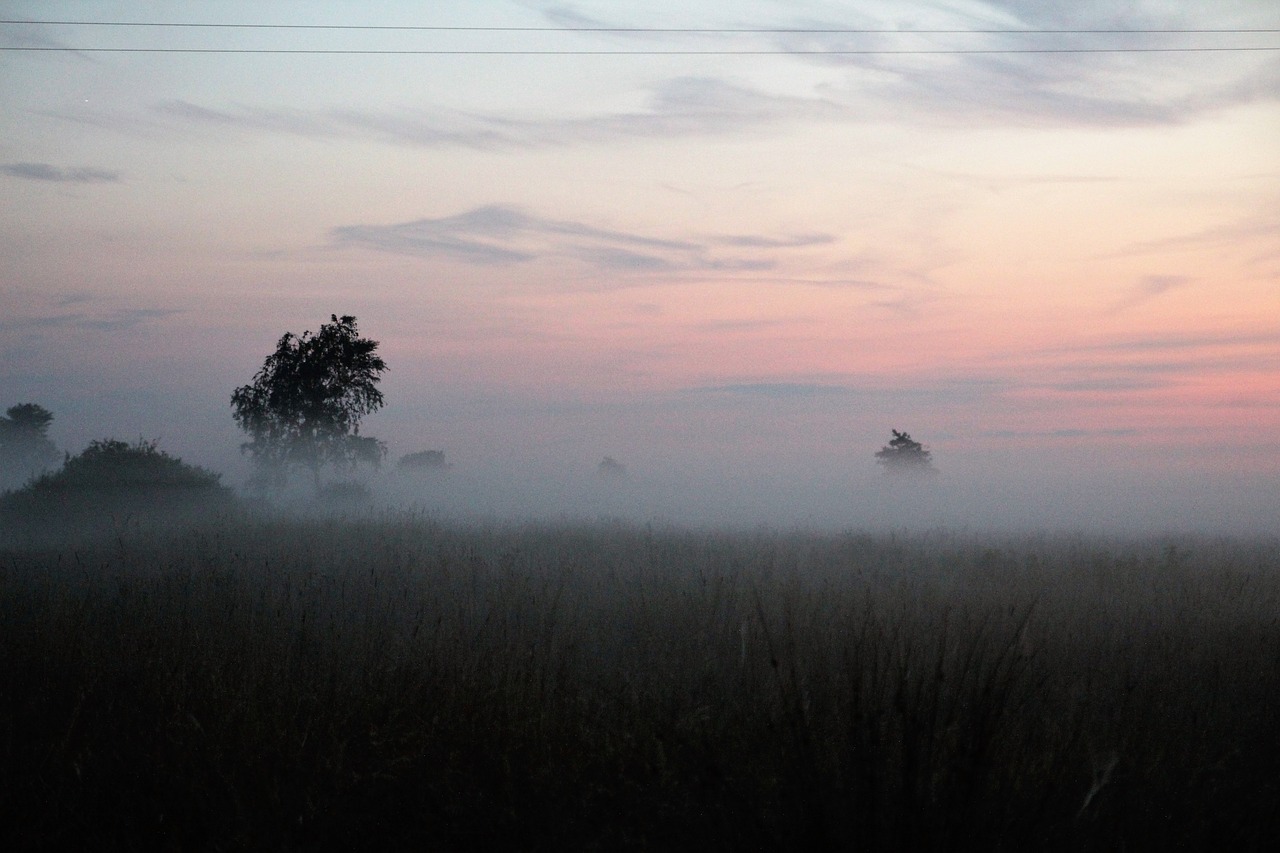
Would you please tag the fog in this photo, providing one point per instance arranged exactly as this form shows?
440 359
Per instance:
824 479
1021 499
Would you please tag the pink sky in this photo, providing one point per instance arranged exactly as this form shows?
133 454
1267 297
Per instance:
1073 255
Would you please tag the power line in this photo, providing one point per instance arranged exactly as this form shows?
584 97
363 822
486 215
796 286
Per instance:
603 29
778 51
501 52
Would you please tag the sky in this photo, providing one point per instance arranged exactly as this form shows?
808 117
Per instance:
746 266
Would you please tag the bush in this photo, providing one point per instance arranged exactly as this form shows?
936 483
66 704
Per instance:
109 483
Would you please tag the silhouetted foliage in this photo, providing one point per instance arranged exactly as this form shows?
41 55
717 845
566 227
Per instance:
111 481
611 468
25 448
425 460
304 406
904 455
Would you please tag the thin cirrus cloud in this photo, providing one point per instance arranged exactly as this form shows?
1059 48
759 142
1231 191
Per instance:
112 321
55 174
940 391
1031 88
1145 364
1037 88
500 234
1045 91
678 108
1167 343
1151 286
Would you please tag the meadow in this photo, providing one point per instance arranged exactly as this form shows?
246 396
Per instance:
397 682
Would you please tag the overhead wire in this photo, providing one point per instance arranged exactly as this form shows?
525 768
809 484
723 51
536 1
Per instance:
604 29
520 52
568 30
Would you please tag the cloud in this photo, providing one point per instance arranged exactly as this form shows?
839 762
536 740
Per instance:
776 390
1154 285
1149 287
1069 432
499 234
1108 384
1027 89
681 107
1257 228
112 321
1170 343
758 242
1136 365
964 390
54 174
1040 89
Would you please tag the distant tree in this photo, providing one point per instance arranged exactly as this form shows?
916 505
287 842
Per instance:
304 406
25 448
611 468
425 460
904 455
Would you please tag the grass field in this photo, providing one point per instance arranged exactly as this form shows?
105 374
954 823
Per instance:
399 683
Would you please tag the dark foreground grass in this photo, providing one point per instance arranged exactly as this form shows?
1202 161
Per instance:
399 684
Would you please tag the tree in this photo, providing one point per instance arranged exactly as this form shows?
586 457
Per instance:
904 455
25 448
423 460
611 469
304 406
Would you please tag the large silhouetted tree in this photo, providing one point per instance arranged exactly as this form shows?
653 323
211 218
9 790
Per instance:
905 455
25 448
304 406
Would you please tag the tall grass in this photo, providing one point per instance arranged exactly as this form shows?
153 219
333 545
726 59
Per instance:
397 683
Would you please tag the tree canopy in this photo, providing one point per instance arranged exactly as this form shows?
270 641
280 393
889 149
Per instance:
424 460
25 448
905 455
611 468
304 406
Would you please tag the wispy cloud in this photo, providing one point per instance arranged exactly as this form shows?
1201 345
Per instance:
112 321
1108 384
55 174
880 392
1030 89
1136 365
777 390
1149 287
1164 343
499 234
1027 89
1257 229
1037 88
681 107
1068 432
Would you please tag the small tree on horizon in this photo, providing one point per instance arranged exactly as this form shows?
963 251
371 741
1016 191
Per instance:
25 448
304 406
424 460
612 469
905 455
